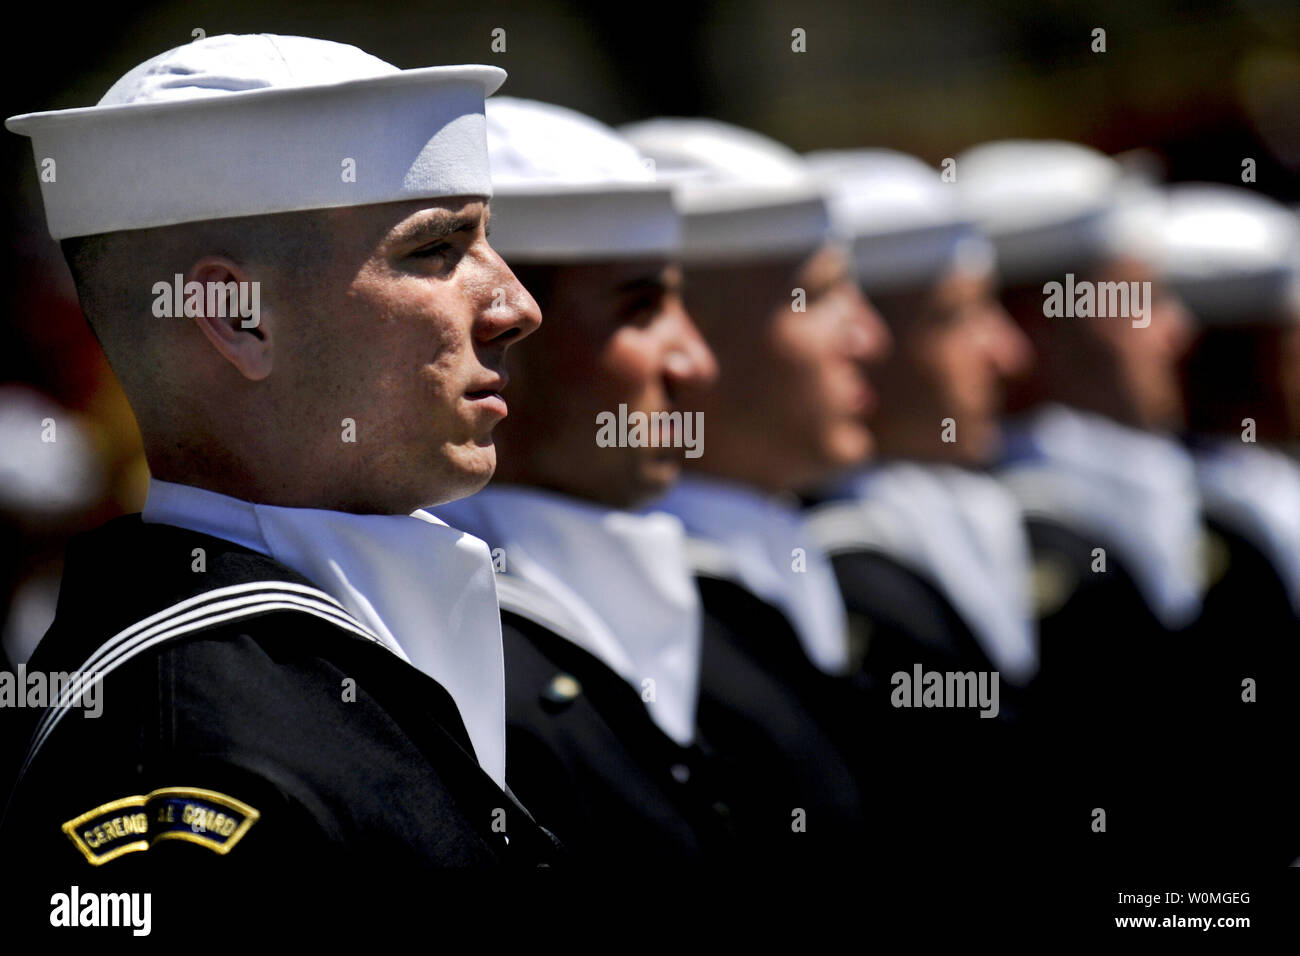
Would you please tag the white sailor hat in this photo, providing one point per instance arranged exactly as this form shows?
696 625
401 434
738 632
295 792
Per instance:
900 220
1231 253
234 126
567 188
1052 207
743 196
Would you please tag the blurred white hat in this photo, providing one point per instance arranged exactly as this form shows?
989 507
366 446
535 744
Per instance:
899 218
1231 253
245 125
743 195
1052 207
569 188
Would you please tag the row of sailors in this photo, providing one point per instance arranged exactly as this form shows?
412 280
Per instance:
1137 597
721 658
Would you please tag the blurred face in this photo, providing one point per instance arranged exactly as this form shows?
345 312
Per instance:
792 403
405 333
617 334
954 347
820 355
1144 361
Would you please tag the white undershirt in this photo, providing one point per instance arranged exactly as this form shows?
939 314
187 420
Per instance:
426 590
775 556
622 579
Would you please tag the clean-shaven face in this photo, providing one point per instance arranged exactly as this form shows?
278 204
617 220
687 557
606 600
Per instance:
405 333
1145 361
793 400
955 346
617 333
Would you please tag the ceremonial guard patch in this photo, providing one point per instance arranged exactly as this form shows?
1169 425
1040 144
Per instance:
205 817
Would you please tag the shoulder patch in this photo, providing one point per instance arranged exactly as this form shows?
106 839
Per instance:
205 817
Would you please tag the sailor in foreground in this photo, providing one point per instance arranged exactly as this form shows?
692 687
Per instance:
608 737
300 680
1233 255
922 509
1110 495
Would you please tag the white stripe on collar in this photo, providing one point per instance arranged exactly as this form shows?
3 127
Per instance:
209 609
426 590
620 579
775 556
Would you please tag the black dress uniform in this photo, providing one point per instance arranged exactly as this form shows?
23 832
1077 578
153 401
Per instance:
780 728
717 762
584 754
1101 682
1117 628
1248 631
758 665
1146 718
229 753
917 765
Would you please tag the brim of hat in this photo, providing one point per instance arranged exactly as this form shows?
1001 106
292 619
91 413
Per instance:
560 190
706 198
583 223
489 77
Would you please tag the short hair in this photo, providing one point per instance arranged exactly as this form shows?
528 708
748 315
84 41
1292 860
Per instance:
114 273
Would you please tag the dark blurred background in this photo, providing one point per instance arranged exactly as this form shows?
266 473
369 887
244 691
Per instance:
1198 85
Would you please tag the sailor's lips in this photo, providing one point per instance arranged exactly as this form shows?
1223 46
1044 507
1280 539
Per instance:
489 401
487 395
862 398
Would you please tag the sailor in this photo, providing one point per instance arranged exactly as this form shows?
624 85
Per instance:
1233 256
931 554
604 630
772 290
300 673
922 505
1110 494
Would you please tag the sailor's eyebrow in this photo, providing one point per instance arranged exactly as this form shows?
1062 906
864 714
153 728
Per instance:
645 284
654 282
433 227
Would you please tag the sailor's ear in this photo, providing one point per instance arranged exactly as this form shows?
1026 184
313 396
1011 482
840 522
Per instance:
230 314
